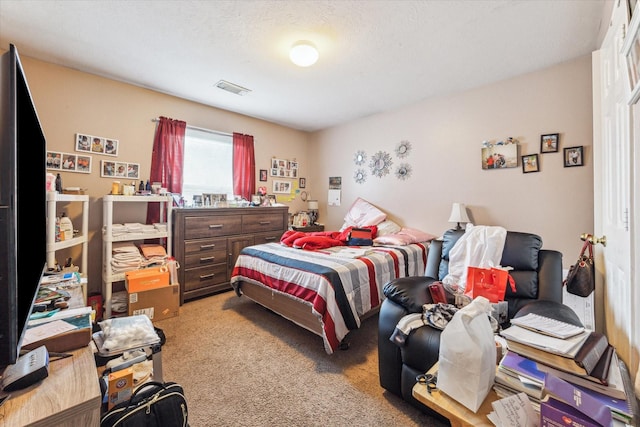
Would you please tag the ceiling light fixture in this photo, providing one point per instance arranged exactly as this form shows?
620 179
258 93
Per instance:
232 87
303 53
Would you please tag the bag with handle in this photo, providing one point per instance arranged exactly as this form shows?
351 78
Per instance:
467 358
153 404
581 277
490 283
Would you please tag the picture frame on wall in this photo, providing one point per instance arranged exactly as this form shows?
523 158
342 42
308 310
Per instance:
54 160
302 183
68 162
549 143
281 187
530 163
263 175
83 164
110 169
500 156
283 168
574 156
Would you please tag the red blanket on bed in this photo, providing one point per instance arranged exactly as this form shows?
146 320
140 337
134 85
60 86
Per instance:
319 239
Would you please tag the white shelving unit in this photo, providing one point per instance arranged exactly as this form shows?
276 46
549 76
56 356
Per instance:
108 277
53 198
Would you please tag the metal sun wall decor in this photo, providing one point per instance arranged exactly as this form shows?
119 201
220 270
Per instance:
402 149
403 171
380 164
360 176
359 158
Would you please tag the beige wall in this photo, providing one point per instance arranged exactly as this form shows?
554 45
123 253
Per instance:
70 102
446 135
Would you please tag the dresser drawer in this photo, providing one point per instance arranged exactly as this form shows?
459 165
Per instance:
256 223
202 277
206 258
211 226
204 245
269 237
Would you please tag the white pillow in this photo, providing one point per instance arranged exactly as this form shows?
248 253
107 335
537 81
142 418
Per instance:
362 213
388 227
404 237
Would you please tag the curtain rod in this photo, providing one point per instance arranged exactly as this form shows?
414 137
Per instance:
215 132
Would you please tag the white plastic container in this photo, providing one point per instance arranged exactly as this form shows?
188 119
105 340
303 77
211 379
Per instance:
66 227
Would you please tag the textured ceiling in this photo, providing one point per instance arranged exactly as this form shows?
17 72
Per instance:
374 55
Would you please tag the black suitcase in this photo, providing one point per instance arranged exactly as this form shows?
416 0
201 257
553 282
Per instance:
153 404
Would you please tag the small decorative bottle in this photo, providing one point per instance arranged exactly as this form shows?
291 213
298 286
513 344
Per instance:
59 183
148 186
141 186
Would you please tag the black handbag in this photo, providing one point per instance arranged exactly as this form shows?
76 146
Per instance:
581 278
153 404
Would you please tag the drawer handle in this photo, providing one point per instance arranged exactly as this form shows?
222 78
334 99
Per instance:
267 239
207 258
207 276
213 245
215 225
264 222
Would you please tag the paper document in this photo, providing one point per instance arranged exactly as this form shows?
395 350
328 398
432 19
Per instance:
564 347
513 411
352 252
547 326
49 329
63 314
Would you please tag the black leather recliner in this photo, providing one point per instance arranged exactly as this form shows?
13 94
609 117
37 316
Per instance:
538 276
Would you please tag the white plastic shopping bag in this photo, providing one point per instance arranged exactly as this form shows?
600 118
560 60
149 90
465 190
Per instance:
467 360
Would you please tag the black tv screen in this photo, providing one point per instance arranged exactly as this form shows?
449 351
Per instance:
22 204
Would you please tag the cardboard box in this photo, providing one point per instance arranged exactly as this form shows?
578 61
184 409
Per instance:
146 279
119 386
74 333
157 304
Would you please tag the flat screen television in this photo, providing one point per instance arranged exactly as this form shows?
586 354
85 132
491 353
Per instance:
23 205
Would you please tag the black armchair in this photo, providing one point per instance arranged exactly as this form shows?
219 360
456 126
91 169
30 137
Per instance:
538 276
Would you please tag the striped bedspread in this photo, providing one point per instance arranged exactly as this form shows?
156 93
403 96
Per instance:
338 287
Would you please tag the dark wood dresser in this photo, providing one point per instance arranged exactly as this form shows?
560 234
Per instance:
207 242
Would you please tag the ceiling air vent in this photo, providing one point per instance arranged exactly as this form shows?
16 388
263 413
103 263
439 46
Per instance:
233 88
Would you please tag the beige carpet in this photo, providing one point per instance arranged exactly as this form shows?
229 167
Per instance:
242 365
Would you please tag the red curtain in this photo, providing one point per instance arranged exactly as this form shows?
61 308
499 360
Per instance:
166 160
244 166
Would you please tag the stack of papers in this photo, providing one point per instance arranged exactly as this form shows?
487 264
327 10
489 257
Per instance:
567 347
547 326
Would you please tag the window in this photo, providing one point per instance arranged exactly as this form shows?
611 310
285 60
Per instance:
208 163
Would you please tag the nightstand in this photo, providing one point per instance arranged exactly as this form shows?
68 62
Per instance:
309 228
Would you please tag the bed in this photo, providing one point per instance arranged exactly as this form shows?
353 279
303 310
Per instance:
327 291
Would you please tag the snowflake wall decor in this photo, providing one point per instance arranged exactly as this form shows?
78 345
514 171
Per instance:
360 158
403 148
360 176
403 171
380 164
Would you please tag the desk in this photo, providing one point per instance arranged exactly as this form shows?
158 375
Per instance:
457 414
68 397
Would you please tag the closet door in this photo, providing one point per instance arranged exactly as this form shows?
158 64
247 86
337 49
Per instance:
613 138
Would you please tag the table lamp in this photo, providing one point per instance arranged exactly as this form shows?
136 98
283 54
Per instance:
313 210
459 215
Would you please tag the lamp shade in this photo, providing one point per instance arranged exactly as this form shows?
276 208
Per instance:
303 53
312 204
459 213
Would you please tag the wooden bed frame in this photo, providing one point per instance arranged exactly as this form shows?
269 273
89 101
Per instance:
290 308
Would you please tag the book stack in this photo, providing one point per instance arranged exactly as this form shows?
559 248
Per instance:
540 348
